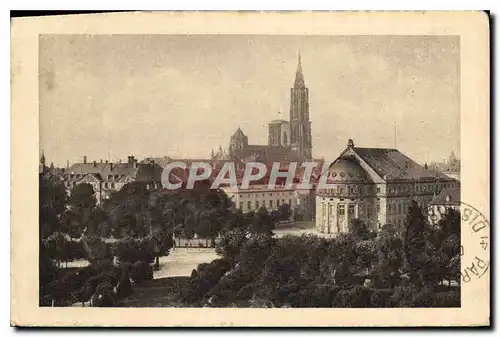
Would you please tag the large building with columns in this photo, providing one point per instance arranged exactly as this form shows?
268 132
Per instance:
374 185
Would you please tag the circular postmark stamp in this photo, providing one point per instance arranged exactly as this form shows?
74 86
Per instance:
475 243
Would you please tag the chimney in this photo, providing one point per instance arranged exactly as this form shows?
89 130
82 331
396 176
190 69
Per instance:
106 161
135 162
85 159
111 166
350 143
131 159
101 161
95 164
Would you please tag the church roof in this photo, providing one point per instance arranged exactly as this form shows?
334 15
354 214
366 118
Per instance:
279 121
238 134
267 154
391 164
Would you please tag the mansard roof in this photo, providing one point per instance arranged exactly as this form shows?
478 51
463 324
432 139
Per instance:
141 171
391 164
347 169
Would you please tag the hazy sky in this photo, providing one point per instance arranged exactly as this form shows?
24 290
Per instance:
181 96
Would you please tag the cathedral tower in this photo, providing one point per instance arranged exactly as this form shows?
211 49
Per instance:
300 126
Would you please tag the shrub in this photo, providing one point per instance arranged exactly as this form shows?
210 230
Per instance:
317 296
380 298
403 296
141 271
424 298
97 250
104 295
205 278
353 297
76 251
449 299
134 250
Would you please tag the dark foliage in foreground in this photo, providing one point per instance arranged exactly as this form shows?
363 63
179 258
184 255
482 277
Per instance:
355 270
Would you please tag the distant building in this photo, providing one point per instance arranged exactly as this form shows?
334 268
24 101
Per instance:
106 177
287 140
448 198
257 196
451 167
376 186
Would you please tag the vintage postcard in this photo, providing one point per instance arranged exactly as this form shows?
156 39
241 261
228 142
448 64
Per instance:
307 169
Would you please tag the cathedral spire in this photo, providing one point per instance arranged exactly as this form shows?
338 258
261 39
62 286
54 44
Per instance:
42 158
299 77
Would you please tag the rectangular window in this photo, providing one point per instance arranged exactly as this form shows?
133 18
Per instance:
270 204
378 208
105 185
241 205
277 203
282 201
249 205
399 208
369 211
341 210
352 190
378 189
351 209
290 202
257 205
341 190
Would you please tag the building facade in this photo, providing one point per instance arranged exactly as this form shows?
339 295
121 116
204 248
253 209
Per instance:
106 177
376 186
257 196
448 198
287 140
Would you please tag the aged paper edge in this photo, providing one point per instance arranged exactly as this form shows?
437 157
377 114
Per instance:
473 29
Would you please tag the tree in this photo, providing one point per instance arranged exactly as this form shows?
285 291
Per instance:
449 224
285 212
262 222
52 202
359 229
415 250
82 196
389 261
128 211
78 216
229 244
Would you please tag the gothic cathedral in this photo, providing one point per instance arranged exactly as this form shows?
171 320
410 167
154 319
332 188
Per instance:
288 140
300 126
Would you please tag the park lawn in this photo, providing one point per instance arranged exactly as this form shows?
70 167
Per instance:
162 292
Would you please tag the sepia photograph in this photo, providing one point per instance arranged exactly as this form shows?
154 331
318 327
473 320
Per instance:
253 170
